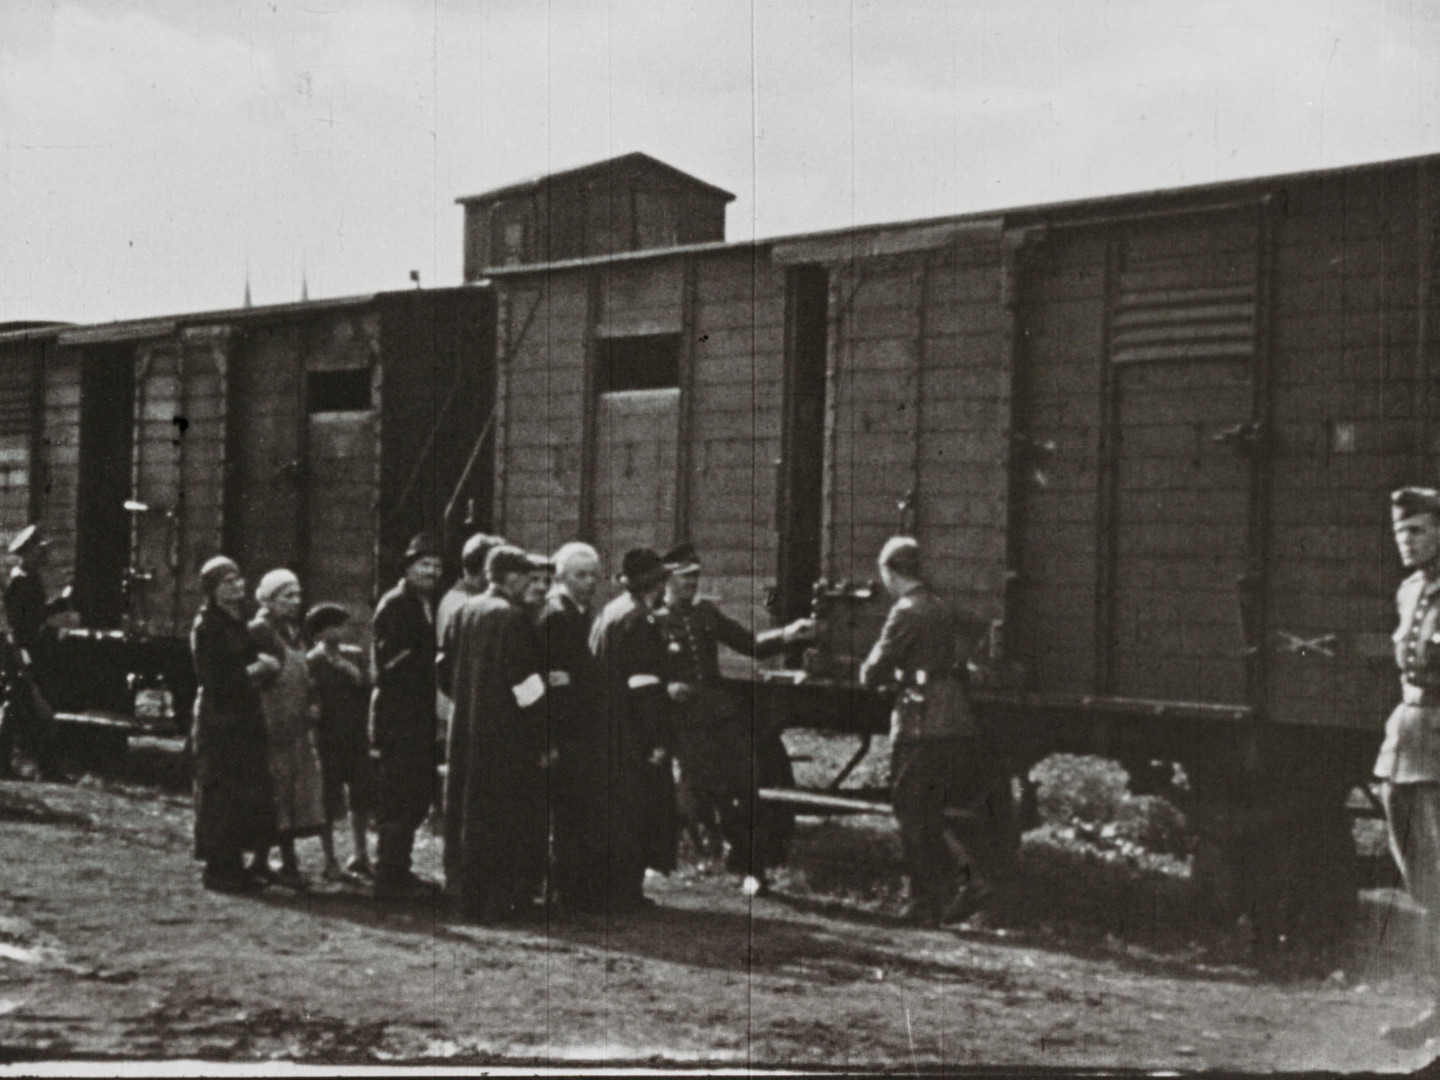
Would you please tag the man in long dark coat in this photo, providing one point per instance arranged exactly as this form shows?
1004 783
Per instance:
640 815
491 661
470 584
723 758
576 731
402 719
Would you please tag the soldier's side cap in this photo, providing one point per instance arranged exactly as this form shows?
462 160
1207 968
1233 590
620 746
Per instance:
682 559
1409 501
25 540
540 562
641 569
421 546
322 617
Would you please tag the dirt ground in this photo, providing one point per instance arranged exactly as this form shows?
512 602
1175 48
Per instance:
110 948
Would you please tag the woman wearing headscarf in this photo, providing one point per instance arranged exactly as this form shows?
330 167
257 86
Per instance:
234 801
290 722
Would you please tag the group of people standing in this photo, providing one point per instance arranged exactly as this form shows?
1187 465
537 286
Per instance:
279 732
570 737
570 730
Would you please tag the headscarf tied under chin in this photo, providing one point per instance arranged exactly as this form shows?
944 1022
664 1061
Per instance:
271 585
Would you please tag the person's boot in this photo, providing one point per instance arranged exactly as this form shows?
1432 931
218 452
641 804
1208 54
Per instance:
967 901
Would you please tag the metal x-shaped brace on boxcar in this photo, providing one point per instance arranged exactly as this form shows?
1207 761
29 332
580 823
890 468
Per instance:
1324 645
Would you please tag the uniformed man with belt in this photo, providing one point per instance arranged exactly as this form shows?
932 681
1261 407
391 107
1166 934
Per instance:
1409 763
28 611
939 759
723 760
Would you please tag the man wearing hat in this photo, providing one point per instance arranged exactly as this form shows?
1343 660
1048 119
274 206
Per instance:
28 612
629 651
402 718
1409 763
495 785
719 774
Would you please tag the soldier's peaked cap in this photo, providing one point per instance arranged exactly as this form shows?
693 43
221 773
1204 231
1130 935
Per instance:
25 540
1410 501
682 559
641 569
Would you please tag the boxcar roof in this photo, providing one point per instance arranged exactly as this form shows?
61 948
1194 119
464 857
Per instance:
635 159
866 239
163 325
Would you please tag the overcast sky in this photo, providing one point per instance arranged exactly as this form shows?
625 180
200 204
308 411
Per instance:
151 151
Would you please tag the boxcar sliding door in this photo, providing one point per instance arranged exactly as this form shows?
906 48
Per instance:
1181 351
1135 435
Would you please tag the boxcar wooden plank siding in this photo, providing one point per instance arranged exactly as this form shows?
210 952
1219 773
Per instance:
1345 326
61 410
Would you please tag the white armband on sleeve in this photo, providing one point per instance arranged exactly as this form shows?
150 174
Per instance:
639 682
528 692
558 678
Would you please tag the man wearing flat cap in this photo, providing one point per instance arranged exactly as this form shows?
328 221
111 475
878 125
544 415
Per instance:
28 612
720 774
629 651
1409 763
402 717
495 784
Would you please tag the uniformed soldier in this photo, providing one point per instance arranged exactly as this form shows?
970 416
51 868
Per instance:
402 718
28 612
722 758
1409 762
939 759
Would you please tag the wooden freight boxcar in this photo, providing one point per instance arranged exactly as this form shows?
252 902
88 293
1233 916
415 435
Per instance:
317 436
1150 437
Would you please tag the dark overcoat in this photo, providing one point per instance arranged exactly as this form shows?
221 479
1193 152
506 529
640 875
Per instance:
494 787
576 734
402 709
641 819
234 801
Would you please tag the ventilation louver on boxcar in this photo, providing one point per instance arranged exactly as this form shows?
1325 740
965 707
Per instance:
15 399
1214 323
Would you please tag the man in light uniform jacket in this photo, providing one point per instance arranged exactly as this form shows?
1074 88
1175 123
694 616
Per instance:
939 757
1409 762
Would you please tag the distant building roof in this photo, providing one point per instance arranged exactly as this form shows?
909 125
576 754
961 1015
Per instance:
635 160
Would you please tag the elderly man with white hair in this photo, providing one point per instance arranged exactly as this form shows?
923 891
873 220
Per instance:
576 734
